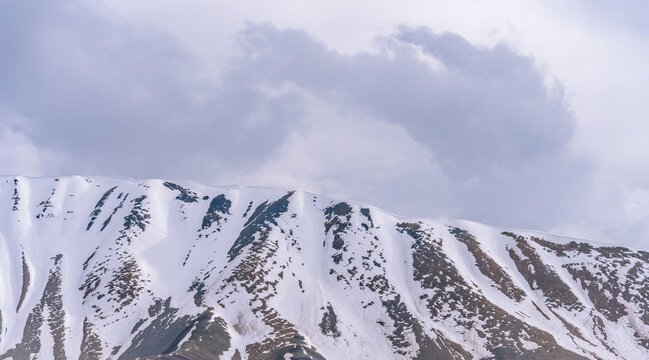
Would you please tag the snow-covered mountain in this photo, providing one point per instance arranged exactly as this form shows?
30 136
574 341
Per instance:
95 268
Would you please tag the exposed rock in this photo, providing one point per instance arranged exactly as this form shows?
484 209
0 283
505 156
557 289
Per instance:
260 223
51 302
488 266
185 195
26 280
219 206
91 348
329 323
97 210
542 276
163 333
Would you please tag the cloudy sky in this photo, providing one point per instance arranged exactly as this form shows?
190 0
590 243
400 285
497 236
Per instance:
528 114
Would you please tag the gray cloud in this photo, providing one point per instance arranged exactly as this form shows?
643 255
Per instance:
114 99
499 135
121 100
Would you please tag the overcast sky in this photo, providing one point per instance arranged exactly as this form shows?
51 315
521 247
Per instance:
527 114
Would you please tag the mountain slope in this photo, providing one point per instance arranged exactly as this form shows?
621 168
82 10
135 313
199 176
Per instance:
94 268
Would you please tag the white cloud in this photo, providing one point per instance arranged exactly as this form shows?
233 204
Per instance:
340 153
18 153
18 156
636 203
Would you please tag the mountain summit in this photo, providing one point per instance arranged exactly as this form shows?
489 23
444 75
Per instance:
97 268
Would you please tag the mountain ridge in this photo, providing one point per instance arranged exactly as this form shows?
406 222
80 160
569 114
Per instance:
101 268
